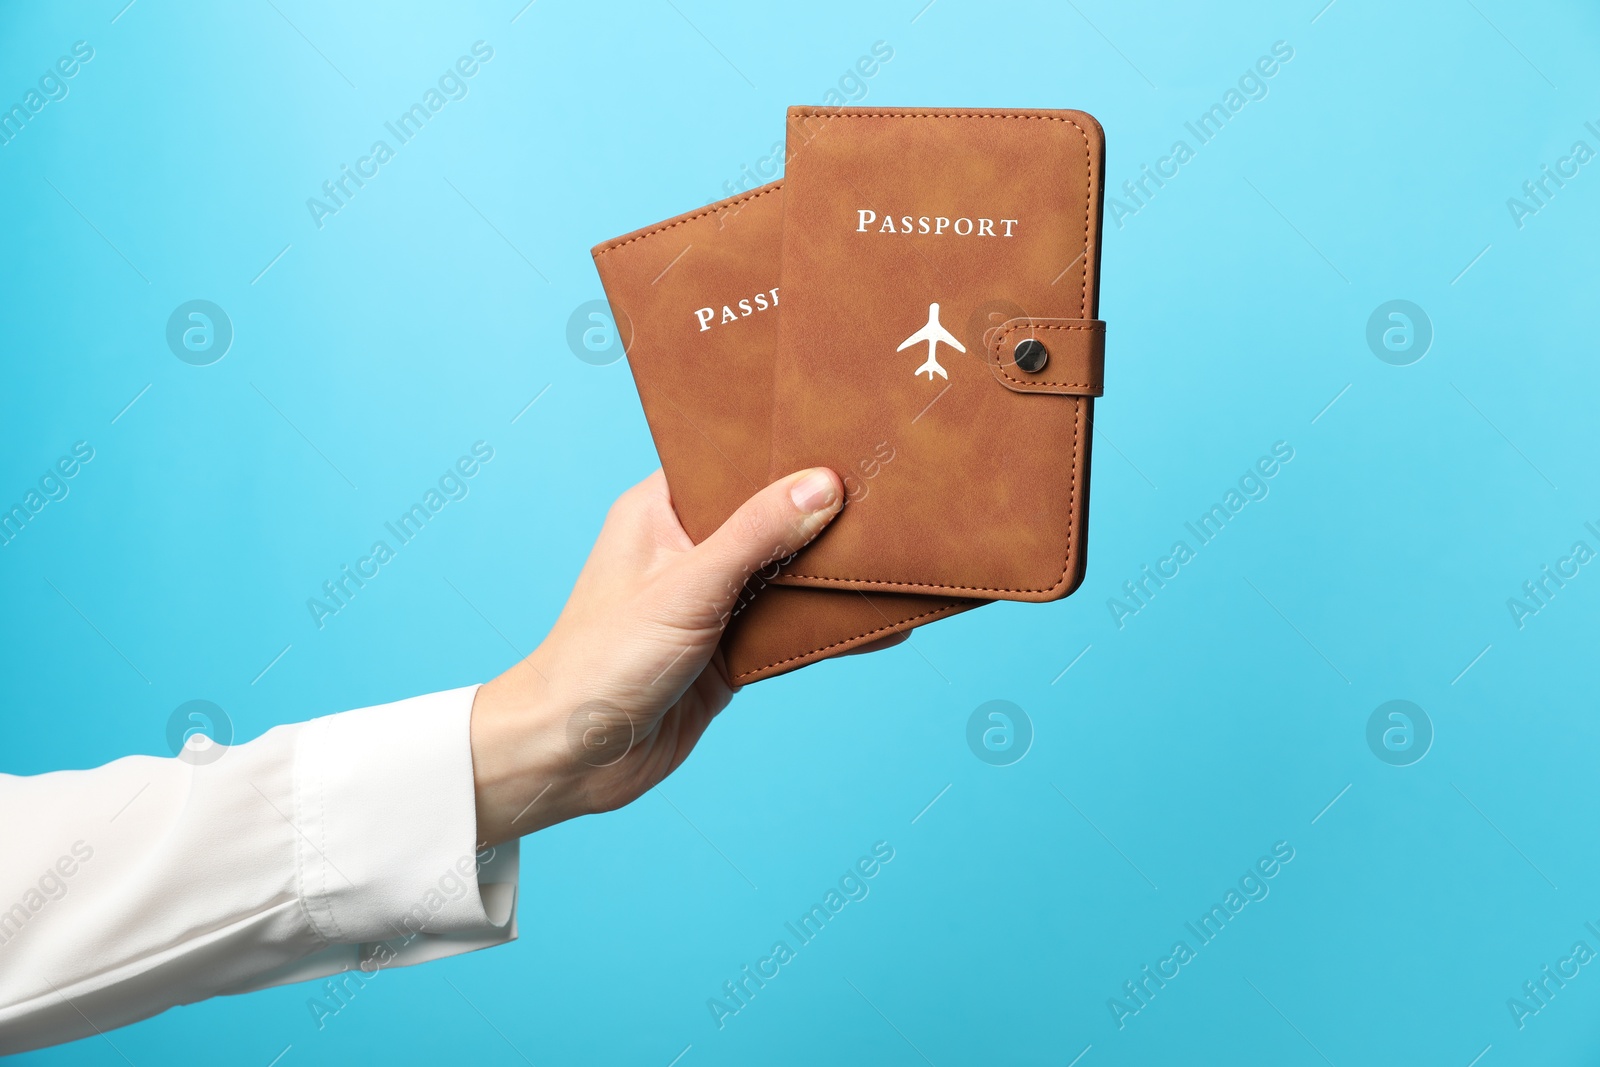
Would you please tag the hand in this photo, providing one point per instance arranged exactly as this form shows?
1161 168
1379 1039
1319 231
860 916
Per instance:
629 677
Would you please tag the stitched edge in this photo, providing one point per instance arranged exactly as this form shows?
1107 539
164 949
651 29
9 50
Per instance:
893 626
1072 488
710 209
916 113
1000 363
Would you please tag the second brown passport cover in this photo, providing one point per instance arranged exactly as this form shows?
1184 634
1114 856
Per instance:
696 302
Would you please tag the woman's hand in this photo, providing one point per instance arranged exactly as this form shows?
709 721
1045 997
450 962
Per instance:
629 677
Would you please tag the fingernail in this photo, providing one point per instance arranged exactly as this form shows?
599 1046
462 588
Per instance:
813 493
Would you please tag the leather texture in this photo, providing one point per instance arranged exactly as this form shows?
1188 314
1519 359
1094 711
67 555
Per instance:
701 347
898 223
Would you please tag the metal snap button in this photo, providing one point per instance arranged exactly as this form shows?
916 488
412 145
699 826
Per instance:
1032 355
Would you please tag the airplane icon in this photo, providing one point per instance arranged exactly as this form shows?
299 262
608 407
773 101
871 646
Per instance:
932 333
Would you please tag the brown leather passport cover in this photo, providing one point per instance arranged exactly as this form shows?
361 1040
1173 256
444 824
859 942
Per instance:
920 249
696 303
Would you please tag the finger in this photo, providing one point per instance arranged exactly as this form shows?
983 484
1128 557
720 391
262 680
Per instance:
766 530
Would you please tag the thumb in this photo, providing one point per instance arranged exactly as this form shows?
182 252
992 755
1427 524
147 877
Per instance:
766 530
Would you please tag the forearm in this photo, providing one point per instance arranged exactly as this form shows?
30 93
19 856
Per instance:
293 856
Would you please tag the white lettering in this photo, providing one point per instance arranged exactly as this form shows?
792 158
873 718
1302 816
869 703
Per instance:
868 221
735 310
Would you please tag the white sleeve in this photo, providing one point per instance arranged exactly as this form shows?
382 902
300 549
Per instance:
343 842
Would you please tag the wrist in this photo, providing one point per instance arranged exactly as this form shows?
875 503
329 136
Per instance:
524 775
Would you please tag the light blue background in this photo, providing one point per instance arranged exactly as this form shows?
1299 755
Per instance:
1221 719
